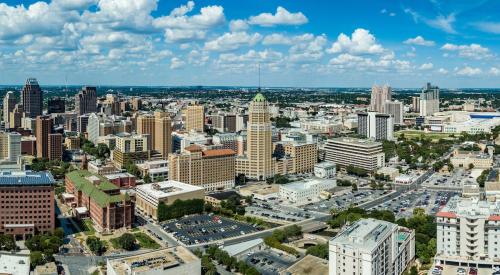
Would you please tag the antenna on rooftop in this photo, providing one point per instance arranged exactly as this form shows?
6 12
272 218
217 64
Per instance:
259 75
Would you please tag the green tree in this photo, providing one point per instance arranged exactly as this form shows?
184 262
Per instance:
96 245
320 251
36 258
127 241
7 243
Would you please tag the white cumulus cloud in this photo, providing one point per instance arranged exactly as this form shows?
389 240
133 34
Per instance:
360 42
473 51
420 41
281 17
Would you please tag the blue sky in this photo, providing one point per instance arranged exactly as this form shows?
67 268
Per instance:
454 43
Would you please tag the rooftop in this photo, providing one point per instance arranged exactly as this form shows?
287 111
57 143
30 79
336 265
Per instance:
12 264
365 234
167 188
238 248
96 191
259 98
164 259
309 265
224 195
307 184
26 178
470 207
356 141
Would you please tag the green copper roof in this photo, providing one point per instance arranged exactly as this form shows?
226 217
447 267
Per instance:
97 193
259 98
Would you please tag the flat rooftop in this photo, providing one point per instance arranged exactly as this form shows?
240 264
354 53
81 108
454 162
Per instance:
306 184
356 141
26 178
364 234
13 264
310 265
167 188
161 259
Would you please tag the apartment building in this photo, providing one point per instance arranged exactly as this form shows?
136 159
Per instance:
354 152
371 247
376 126
130 148
213 169
195 118
468 232
26 203
10 146
303 155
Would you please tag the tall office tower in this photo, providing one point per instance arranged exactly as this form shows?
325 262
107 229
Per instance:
82 123
379 96
212 169
163 134
56 106
55 148
10 146
28 205
86 101
415 104
230 123
32 98
371 247
16 116
376 126
396 109
429 100
361 153
136 104
43 130
130 148
9 103
195 118
146 126
258 163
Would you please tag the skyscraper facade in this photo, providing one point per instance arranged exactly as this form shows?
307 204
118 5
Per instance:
56 105
10 146
378 98
376 126
43 130
429 100
258 163
9 103
195 118
32 98
158 129
86 101
396 109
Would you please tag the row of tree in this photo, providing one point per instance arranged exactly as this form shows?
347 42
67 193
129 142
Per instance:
43 246
214 253
279 236
179 208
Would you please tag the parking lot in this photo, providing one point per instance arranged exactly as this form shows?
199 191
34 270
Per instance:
454 270
404 205
274 210
197 229
454 180
346 200
269 262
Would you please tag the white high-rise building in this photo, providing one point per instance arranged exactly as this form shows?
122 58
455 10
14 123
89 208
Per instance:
376 126
361 153
9 103
429 100
378 98
371 247
10 146
468 232
396 109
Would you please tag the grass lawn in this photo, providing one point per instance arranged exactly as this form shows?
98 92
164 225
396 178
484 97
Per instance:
114 243
88 227
145 241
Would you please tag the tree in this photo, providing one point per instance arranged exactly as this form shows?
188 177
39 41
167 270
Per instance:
36 258
7 243
471 166
96 245
354 187
127 241
320 251
147 178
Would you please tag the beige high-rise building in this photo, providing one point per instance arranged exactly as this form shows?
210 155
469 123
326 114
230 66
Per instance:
158 128
304 156
10 146
210 169
258 162
195 118
379 96
9 103
130 148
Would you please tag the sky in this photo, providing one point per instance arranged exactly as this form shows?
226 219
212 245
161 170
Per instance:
296 43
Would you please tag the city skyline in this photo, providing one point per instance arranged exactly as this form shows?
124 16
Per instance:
174 43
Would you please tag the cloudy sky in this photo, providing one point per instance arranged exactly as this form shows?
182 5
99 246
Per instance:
356 43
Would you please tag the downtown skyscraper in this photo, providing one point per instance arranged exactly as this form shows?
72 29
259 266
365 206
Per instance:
86 101
32 98
429 100
379 96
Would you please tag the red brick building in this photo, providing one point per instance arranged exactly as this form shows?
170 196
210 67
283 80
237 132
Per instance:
26 203
122 180
107 207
